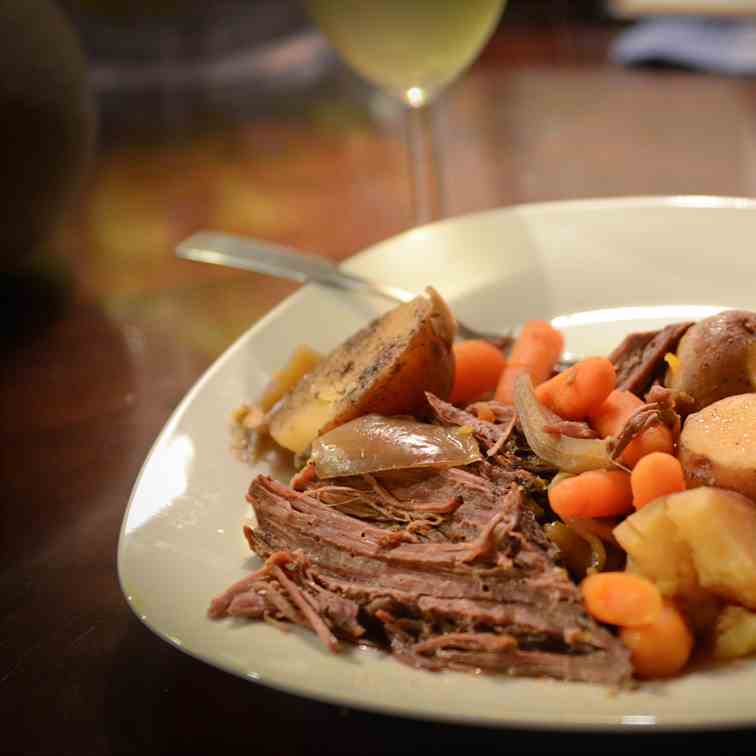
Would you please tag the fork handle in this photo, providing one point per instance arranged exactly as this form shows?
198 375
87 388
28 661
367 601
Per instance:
264 257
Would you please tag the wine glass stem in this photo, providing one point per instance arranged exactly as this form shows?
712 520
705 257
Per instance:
427 197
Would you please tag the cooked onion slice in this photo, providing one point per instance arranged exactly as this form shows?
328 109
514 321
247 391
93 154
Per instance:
572 455
372 443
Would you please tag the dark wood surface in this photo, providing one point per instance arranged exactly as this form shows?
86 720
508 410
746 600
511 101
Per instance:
109 331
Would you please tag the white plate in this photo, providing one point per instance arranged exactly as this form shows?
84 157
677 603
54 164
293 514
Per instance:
624 264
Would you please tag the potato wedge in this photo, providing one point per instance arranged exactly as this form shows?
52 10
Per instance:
716 357
735 633
700 607
718 445
302 361
720 528
698 546
385 368
656 550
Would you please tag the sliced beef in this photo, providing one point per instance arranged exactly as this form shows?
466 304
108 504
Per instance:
488 596
640 356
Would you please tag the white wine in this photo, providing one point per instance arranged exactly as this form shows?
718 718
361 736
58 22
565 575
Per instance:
411 48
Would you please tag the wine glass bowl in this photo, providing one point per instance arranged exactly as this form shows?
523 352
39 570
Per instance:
411 49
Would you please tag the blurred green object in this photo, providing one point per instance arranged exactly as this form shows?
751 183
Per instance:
48 124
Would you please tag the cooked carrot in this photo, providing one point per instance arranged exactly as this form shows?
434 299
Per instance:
657 438
580 389
610 418
535 352
596 493
656 474
661 648
621 598
478 365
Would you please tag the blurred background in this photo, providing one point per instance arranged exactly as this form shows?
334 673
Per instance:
132 124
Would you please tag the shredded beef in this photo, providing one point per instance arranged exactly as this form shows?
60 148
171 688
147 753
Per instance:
492 435
503 439
284 589
483 594
679 401
660 412
640 356
447 568
438 505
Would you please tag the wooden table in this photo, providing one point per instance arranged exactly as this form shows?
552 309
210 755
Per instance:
95 368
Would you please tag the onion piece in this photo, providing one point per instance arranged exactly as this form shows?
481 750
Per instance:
601 527
572 455
373 443
598 550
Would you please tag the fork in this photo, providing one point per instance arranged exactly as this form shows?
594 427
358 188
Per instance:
264 257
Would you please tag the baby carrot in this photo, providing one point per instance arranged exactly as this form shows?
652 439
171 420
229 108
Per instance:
657 438
610 418
596 493
621 598
579 389
535 352
656 474
660 648
478 365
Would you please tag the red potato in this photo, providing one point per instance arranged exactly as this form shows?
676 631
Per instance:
718 446
716 358
385 368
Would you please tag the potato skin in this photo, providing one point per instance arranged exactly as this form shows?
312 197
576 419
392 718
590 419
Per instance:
396 382
718 445
717 358
384 368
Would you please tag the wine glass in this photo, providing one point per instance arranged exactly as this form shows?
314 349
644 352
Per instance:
411 49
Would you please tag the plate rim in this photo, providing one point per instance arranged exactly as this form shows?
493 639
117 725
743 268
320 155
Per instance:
680 201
